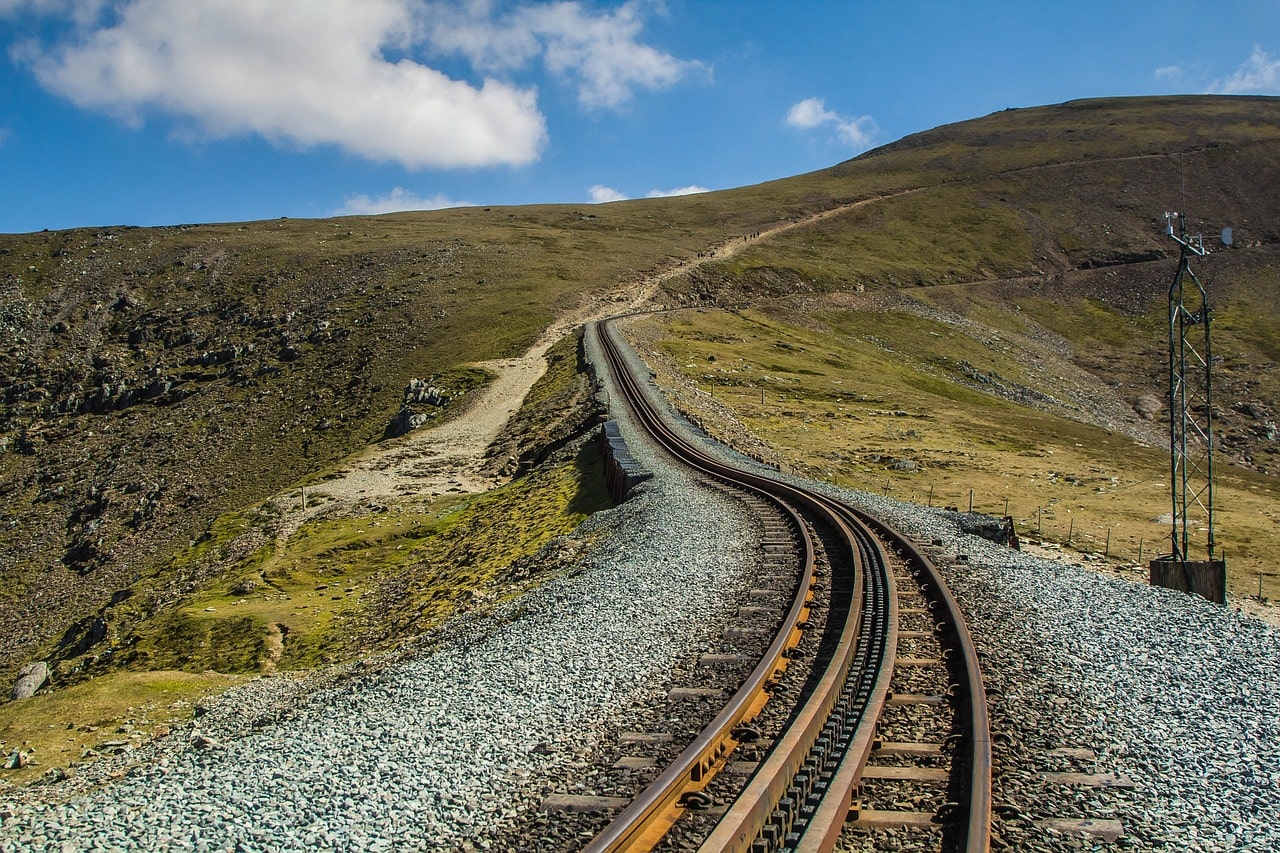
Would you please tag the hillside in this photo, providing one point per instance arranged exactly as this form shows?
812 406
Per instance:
160 386
158 379
1016 303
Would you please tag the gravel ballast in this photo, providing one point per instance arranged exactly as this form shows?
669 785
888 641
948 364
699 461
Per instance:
1168 692
446 749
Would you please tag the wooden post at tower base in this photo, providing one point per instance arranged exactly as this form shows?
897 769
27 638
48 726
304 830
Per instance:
1205 578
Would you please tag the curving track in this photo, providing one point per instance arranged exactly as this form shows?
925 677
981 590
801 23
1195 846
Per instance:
803 793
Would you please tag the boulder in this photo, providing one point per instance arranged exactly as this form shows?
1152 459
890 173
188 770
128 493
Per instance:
418 391
1148 407
201 741
417 394
406 420
30 679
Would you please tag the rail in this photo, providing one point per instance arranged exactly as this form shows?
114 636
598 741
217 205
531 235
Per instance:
800 794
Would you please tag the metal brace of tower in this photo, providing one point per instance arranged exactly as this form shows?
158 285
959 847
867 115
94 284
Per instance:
1190 395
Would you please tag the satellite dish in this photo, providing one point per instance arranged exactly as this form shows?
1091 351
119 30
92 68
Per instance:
1226 236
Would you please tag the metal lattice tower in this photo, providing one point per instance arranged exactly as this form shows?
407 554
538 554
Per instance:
1190 396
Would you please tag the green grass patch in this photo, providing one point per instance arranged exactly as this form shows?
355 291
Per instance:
224 530
345 586
121 708
1088 323
936 235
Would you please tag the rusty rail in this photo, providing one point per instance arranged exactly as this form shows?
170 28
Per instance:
649 816
977 720
804 761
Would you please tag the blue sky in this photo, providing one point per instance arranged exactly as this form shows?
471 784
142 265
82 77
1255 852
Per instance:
150 112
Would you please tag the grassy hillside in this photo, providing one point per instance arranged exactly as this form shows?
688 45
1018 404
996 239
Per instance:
1004 283
929 406
1026 193
1000 281
158 379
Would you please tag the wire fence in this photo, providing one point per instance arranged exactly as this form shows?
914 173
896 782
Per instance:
1044 521
1047 522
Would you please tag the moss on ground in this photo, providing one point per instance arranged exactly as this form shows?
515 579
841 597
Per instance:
337 589
340 587
99 717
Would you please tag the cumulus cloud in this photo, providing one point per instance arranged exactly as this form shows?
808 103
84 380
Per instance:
303 72
600 194
1259 75
1169 71
689 190
811 113
356 74
599 52
398 199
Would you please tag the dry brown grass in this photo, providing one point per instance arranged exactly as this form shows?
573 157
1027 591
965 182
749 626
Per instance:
850 393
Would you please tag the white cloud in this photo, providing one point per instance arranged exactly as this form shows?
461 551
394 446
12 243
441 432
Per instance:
396 200
600 193
303 72
599 52
1169 71
1259 75
859 133
689 190
809 113
348 73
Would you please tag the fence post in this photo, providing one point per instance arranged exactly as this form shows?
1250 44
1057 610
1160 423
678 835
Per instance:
971 500
1107 551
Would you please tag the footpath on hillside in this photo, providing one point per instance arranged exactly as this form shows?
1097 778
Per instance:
449 458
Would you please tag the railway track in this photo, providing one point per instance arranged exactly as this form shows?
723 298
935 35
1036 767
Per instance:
786 762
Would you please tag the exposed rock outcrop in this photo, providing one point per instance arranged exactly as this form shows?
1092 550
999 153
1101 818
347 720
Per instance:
421 403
